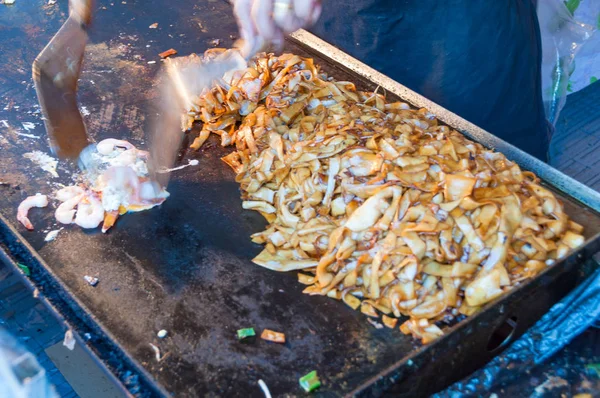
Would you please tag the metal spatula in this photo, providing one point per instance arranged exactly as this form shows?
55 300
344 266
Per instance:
181 81
55 74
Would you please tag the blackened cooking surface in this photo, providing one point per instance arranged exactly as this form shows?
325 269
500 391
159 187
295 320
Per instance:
184 267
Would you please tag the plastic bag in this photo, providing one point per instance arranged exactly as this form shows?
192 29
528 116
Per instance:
564 32
565 321
21 376
587 61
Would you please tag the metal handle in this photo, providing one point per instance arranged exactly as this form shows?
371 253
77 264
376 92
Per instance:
82 10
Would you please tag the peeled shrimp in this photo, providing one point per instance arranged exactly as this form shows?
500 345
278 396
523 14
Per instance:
67 193
37 200
106 147
91 214
65 213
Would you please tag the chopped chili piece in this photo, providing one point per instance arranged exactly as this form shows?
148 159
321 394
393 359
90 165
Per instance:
275 337
168 53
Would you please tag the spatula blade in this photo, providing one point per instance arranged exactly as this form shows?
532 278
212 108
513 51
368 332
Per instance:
182 80
55 75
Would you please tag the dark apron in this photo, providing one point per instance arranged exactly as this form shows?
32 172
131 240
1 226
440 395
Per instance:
478 58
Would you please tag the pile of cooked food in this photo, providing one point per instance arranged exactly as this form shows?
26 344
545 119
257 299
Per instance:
375 203
117 182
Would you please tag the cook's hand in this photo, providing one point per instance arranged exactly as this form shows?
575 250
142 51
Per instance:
266 21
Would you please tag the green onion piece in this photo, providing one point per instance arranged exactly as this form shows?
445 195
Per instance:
24 269
245 333
310 382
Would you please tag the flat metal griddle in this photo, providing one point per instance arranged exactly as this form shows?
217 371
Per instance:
185 267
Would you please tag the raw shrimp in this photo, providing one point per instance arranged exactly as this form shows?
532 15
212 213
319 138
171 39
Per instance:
37 200
67 193
106 147
91 214
65 213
